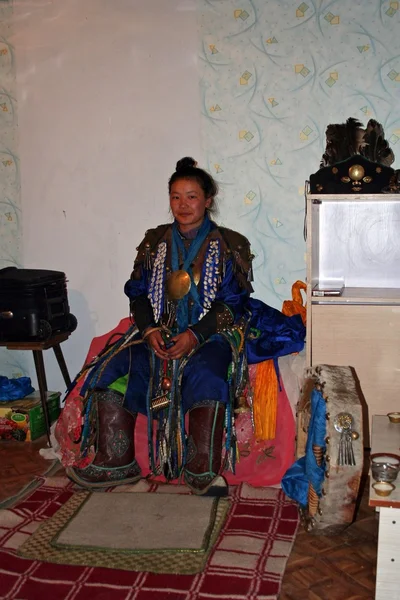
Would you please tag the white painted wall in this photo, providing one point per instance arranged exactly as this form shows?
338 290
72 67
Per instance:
108 101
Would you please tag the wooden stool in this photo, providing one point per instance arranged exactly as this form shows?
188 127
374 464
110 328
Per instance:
37 348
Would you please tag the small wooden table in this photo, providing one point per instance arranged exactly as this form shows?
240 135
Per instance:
37 348
386 438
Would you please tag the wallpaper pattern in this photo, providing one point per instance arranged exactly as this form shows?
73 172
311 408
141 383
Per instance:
11 363
273 75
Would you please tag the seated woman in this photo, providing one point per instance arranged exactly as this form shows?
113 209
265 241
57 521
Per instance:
184 361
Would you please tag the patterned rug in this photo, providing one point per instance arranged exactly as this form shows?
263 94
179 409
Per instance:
246 562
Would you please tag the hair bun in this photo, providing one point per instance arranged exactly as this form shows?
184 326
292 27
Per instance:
184 163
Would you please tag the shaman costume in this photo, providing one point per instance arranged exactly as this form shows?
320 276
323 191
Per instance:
200 282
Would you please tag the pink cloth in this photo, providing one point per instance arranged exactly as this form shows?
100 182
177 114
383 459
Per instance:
260 463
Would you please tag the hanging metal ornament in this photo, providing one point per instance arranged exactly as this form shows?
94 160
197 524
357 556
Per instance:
166 383
196 270
178 284
343 423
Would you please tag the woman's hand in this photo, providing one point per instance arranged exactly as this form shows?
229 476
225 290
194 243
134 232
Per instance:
155 340
184 343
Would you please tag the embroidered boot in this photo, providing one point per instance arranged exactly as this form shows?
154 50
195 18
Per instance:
204 450
114 463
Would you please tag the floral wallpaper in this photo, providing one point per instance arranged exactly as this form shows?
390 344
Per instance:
11 363
273 75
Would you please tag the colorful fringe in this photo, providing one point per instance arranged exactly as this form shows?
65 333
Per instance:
265 403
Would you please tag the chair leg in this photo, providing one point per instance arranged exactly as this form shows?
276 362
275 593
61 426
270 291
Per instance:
61 364
41 376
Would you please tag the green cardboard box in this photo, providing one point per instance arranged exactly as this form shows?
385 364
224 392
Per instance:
24 419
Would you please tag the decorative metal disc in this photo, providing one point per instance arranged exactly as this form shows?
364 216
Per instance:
178 284
356 172
343 422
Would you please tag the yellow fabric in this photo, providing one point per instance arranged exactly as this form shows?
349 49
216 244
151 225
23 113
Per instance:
265 402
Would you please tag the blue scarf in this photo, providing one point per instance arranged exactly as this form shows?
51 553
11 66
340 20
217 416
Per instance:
188 256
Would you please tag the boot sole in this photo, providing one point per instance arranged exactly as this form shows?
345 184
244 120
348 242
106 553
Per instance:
101 484
218 488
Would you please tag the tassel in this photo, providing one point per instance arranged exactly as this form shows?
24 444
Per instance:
171 314
147 258
250 274
318 452
236 261
265 401
234 452
224 267
312 501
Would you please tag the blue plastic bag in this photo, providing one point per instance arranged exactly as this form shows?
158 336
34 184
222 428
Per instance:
15 389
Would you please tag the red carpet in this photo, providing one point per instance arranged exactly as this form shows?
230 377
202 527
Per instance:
259 530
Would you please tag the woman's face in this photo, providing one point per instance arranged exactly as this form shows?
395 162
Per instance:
188 203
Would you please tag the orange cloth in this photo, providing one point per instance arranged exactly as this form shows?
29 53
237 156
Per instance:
265 402
296 306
